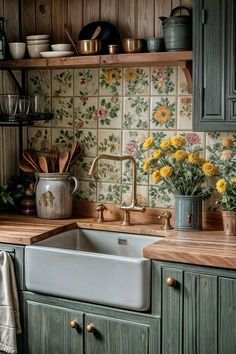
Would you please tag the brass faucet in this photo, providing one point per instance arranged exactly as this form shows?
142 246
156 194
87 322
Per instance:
133 205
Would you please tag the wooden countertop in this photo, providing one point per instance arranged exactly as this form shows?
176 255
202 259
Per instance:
208 247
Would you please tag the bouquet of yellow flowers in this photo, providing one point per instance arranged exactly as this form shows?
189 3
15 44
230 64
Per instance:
177 164
223 155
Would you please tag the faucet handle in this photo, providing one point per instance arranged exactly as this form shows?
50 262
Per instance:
167 216
100 208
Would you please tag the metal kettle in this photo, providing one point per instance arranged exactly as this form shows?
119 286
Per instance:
180 19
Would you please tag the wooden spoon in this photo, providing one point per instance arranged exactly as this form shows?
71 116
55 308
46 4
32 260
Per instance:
54 157
27 156
67 29
75 155
63 160
96 32
25 166
72 151
43 164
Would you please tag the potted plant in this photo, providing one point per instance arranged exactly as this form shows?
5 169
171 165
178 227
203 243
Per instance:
178 166
223 155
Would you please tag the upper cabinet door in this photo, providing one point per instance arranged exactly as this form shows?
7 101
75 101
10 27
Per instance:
214 83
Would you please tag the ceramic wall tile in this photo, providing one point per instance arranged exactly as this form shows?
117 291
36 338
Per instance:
109 142
163 112
109 113
184 120
110 80
109 192
62 109
86 191
87 138
109 171
163 80
85 112
39 81
62 138
39 139
136 112
86 82
82 167
136 81
62 82
160 198
182 83
142 194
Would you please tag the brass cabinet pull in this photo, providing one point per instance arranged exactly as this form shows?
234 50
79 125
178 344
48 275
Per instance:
90 328
74 324
171 282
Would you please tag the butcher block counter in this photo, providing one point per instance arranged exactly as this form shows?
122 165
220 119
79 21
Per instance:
208 247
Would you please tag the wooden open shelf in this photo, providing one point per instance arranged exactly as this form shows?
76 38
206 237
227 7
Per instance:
181 58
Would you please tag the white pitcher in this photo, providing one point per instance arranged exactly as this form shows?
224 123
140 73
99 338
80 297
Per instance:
54 194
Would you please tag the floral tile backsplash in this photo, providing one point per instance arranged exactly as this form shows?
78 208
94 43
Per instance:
112 111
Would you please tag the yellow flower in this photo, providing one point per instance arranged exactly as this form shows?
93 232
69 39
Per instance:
233 179
162 114
157 154
111 76
227 142
146 164
166 171
165 143
209 169
148 142
177 141
180 155
130 74
221 185
193 158
156 176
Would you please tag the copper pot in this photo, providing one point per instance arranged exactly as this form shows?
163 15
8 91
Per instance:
132 45
89 46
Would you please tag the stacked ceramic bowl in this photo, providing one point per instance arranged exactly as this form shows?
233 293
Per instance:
37 43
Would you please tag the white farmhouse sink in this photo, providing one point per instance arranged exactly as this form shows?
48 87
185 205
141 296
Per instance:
95 266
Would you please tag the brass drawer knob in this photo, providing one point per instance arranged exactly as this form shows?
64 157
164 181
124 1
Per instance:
90 328
171 282
74 324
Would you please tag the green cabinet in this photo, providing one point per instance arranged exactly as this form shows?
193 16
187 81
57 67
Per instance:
53 325
198 309
214 75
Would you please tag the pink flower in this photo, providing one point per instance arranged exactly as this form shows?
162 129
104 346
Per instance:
101 113
193 138
131 149
158 73
225 155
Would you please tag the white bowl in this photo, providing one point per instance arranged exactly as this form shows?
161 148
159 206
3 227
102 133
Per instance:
17 50
38 41
61 47
34 50
38 36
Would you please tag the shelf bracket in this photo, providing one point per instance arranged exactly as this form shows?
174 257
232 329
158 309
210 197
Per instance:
16 82
186 66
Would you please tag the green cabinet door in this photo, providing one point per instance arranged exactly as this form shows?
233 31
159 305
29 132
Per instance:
106 335
214 67
48 329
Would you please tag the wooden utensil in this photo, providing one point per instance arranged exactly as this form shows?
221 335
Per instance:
25 166
28 157
75 155
54 158
96 32
72 151
63 160
43 164
67 29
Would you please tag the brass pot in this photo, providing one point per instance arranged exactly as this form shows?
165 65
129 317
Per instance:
89 46
132 45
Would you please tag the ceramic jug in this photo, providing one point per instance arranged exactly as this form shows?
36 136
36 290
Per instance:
54 194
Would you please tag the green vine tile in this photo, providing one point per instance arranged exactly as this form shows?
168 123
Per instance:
88 141
136 113
163 112
160 198
109 192
110 82
39 81
136 81
62 82
109 171
62 138
62 109
109 112
86 82
85 110
82 168
109 142
163 81
86 191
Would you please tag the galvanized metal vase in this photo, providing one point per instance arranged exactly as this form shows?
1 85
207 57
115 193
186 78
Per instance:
54 194
229 222
188 213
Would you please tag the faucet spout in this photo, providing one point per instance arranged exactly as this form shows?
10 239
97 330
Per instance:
133 206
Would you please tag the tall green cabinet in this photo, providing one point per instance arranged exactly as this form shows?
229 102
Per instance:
214 55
